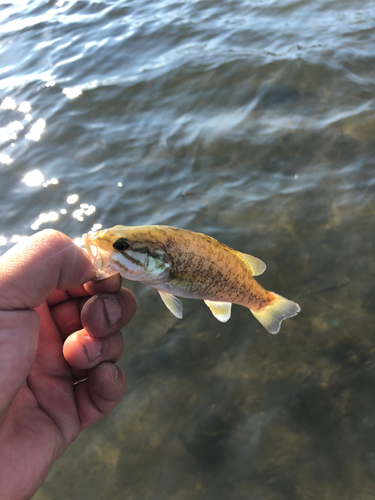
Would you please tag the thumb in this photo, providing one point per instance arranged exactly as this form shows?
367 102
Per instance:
17 352
32 270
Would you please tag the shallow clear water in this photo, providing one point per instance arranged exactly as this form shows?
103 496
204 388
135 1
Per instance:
253 122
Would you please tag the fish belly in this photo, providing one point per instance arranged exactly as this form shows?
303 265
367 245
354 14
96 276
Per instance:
248 293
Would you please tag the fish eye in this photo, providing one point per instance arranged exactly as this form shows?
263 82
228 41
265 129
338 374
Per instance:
120 245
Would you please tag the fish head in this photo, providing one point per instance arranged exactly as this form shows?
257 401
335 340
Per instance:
129 250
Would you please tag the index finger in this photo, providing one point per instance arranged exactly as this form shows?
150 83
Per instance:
112 284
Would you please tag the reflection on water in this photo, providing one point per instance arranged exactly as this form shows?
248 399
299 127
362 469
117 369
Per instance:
252 121
72 93
36 130
33 178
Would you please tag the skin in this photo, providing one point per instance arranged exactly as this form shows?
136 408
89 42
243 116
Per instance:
199 266
56 327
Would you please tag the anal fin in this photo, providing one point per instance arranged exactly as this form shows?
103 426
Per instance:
221 310
173 303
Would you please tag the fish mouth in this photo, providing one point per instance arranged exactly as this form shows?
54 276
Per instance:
93 251
90 248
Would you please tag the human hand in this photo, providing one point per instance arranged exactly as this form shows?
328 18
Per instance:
56 328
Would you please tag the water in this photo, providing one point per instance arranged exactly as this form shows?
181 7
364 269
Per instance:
253 122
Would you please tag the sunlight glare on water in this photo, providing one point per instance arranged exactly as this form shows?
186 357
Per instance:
5 159
43 219
36 130
72 93
8 103
73 198
33 178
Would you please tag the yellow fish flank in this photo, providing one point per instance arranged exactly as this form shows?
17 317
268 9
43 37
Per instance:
178 262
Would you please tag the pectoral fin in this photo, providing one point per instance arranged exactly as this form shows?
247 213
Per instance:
221 310
173 303
257 266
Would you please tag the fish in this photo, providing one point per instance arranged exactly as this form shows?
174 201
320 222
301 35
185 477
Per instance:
182 263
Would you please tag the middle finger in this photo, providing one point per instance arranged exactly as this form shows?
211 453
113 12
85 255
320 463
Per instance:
99 315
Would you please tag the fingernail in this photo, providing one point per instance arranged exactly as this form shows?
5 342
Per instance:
115 372
93 346
112 310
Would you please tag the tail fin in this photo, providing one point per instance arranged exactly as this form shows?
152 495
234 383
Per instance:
279 309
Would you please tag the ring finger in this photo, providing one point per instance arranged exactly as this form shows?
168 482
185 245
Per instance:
83 351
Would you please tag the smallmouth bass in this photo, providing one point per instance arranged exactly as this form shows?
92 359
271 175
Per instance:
182 263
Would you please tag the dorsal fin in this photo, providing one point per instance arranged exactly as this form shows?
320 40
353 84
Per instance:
256 266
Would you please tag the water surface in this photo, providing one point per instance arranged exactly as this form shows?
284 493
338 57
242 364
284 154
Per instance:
251 121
